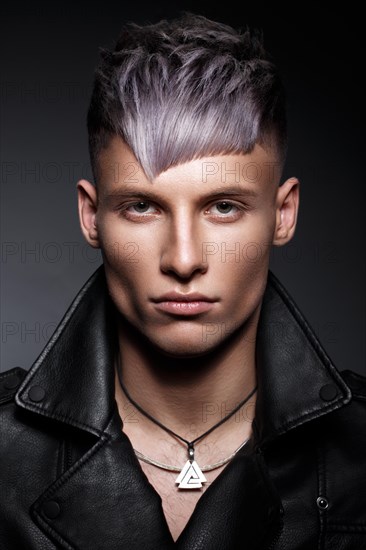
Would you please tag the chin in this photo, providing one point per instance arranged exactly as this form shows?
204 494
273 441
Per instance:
183 346
183 353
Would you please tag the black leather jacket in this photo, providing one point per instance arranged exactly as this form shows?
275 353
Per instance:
69 477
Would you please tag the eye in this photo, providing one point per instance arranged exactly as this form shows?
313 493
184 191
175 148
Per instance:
224 207
225 210
140 207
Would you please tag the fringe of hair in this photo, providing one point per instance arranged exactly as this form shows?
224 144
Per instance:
183 89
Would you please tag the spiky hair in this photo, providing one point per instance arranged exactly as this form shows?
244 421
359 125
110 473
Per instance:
186 88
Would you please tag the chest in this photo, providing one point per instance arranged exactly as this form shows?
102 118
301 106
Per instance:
178 504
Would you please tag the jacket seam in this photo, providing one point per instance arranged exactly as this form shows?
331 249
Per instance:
322 491
300 420
60 459
68 454
6 398
64 457
81 462
105 438
53 532
10 372
69 473
59 483
58 416
359 396
334 526
311 413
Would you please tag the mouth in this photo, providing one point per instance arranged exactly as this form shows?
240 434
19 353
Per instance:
184 308
184 304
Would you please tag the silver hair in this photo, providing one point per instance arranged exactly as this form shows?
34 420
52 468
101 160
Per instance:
179 90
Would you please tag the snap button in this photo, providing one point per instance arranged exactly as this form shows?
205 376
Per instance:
51 509
36 393
322 503
328 392
12 382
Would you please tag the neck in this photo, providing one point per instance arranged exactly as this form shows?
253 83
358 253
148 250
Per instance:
190 394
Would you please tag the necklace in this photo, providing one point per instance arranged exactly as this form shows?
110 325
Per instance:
191 475
207 468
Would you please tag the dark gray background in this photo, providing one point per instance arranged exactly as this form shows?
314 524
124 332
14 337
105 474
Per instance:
49 51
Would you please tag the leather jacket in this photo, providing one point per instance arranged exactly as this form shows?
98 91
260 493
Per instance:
69 478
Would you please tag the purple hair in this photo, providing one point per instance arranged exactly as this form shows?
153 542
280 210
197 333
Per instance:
186 88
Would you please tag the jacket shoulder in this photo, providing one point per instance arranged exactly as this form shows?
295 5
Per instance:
356 382
10 381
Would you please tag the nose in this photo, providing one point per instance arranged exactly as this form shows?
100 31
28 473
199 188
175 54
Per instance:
182 253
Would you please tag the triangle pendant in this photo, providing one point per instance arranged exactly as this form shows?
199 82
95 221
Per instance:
191 476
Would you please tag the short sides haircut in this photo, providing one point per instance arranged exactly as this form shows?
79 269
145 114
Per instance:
183 89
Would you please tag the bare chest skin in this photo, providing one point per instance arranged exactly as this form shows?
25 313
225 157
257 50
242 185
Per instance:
178 504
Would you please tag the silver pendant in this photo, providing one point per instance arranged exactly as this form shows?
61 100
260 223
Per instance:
191 476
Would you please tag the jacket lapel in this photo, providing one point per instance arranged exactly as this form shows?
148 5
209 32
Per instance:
105 500
297 381
73 375
240 509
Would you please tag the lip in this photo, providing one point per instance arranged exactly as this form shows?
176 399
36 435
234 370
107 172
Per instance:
184 308
179 297
184 304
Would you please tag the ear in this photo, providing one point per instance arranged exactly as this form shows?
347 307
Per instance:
87 206
287 206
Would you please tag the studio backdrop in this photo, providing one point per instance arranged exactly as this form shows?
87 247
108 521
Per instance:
49 52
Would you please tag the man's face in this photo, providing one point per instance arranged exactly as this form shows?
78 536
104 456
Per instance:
203 227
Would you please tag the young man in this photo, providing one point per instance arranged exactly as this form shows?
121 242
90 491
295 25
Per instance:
184 401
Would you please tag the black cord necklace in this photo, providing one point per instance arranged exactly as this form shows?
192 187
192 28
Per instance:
191 475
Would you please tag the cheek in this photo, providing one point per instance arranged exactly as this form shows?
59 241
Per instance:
122 254
242 266
245 251
128 274
128 277
122 248
244 279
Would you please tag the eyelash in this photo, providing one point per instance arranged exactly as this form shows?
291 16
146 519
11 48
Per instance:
128 215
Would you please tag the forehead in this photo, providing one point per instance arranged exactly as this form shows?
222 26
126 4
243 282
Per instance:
257 171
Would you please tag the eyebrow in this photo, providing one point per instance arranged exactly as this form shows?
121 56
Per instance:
233 190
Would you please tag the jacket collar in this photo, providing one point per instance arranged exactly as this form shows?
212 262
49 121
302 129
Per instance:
297 380
74 374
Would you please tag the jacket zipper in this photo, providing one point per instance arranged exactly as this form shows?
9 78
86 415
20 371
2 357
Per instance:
68 457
